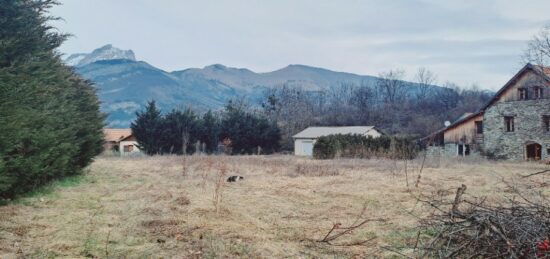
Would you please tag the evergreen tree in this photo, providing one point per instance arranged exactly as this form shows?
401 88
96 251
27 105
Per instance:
148 129
267 135
209 131
248 131
180 131
50 122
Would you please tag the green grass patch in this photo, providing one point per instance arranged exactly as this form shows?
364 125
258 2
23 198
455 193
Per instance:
91 247
48 191
44 254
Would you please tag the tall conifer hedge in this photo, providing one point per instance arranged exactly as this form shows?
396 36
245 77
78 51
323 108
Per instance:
50 124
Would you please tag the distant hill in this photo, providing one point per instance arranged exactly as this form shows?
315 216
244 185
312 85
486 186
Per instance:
125 84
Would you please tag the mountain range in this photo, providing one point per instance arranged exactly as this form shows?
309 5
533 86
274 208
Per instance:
125 84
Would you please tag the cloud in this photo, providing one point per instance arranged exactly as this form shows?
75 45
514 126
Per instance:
463 41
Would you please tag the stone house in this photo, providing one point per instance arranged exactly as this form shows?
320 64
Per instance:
514 124
304 140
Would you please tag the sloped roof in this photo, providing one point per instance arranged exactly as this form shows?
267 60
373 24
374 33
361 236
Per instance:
544 72
316 132
127 138
116 134
464 118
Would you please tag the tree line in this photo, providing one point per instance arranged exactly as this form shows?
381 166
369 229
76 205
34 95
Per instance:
398 107
236 129
50 124
390 103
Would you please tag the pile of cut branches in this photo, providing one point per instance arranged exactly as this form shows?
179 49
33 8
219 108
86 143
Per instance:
475 228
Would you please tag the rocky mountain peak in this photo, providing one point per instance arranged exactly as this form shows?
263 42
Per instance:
107 52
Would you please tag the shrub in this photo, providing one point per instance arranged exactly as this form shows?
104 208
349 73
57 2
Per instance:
325 148
358 146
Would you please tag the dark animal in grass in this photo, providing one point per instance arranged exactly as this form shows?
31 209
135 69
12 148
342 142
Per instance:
235 178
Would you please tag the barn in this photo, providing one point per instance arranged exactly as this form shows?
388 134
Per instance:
304 141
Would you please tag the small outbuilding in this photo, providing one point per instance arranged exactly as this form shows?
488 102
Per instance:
128 145
304 141
112 138
120 140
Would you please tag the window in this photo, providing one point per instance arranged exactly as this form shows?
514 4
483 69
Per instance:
522 94
128 148
538 92
479 127
546 123
509 124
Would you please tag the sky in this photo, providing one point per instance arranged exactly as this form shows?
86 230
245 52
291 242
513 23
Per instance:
466 42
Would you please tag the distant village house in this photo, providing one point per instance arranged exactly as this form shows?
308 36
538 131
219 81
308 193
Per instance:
120 140
304 141
515 123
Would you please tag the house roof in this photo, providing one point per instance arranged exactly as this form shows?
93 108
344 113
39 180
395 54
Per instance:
126 138
316 132
465 117
116 134
544 72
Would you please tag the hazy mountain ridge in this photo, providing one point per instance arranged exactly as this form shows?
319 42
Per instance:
125 85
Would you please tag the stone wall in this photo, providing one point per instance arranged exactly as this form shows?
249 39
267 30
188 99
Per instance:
528 127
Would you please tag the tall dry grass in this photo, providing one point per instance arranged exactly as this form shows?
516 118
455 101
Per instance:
147 207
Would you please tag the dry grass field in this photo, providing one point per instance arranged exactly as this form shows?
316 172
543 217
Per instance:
153 207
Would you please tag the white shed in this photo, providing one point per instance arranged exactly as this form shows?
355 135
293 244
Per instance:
304 141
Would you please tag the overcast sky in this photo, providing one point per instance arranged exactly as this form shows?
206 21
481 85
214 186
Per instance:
467 42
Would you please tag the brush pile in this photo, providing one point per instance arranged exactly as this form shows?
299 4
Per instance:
475 228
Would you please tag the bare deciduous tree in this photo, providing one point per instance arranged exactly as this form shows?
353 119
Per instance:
538 48
424 79
391 86
449 96
292 108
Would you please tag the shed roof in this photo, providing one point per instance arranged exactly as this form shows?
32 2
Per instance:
116 134
316 132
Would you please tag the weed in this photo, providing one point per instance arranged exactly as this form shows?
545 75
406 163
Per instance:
219 183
